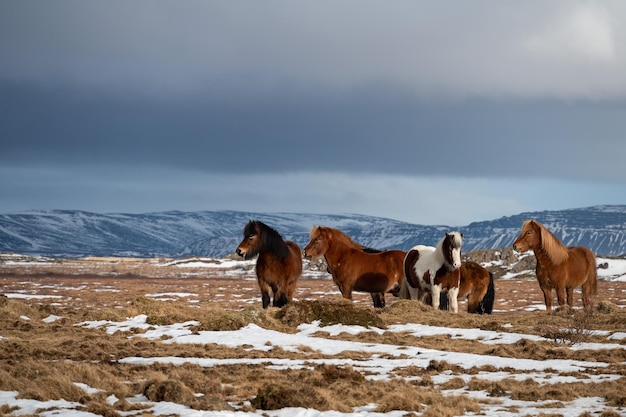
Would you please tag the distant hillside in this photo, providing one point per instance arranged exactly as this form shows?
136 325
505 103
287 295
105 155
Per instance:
70 233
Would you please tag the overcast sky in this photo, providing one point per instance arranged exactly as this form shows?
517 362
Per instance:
430 112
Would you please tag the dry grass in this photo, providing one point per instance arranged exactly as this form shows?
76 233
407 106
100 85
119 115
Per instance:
45 360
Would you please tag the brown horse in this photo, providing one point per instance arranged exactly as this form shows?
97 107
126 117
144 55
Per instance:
432 270
279 265
355 267
477 286
558 266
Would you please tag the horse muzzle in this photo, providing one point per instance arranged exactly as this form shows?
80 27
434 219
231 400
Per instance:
240 253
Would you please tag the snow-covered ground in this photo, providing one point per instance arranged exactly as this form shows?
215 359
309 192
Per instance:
382 360
379 363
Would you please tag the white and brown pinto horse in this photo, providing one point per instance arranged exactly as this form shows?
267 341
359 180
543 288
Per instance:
433 270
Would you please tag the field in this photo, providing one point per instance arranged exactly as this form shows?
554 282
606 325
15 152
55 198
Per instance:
143 337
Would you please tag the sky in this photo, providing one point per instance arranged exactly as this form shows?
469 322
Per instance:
423 111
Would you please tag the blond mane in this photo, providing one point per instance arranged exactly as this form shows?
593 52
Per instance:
553 247
337 234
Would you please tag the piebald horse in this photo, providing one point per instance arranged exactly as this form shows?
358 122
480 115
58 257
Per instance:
279 265
558 266
433 270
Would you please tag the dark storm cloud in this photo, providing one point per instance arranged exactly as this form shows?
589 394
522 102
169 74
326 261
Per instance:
362 130
561 48
343 106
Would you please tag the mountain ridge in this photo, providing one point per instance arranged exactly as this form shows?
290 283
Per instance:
77 233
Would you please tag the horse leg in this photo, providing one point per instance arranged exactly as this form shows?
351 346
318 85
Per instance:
473 303
280 299
547 298
265 292
453 300
405 292
560 295
378 298
435 292
570 296
347 293
343 288
276 294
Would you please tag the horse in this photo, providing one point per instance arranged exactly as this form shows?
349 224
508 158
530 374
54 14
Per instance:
558 266
432 270
355 267
476 284
278 266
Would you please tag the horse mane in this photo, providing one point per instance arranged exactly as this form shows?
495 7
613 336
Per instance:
553 247
343 238
450 241
271 240
455 239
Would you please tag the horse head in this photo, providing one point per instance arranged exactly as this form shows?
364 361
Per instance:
529 237
451 248
251 243
318 244
535 236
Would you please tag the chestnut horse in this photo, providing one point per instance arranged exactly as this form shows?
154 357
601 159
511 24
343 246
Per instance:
558 266
433 270
355 267
477 286
279 265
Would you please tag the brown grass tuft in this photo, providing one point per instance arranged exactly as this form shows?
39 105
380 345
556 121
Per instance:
168 390
220 319
160 312
274 397
399 401
329 313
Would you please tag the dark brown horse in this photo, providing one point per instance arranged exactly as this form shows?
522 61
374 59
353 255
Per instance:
477 286
355 267
432 270
279 265
558 266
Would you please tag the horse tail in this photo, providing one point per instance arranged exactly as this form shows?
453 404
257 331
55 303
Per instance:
403 292
594 284
594 273
486 304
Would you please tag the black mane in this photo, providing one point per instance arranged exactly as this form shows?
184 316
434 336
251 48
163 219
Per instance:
271 240
371 250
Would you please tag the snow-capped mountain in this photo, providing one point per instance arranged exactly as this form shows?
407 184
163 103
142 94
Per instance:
217 233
